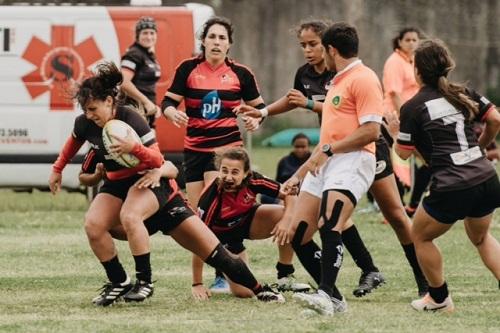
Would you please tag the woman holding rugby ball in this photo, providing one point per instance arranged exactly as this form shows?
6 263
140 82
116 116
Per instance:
117 200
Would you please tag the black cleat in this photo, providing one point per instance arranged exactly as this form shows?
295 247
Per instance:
269 294
368 282
112 292
139 292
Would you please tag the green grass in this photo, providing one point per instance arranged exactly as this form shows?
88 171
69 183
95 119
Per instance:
48 276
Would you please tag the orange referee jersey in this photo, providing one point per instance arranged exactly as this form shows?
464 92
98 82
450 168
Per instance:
399 78
354 99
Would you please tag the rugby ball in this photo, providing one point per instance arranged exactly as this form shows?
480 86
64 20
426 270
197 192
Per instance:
120 129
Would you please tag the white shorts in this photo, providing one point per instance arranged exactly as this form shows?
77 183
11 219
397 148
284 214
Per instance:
353 171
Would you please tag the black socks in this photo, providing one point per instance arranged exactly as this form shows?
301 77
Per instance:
114 270
359 253
439 294
331 260
143 267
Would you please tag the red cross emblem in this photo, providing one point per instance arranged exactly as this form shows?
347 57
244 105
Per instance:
59 66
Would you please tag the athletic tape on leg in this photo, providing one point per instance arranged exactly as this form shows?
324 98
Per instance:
299 234
330 223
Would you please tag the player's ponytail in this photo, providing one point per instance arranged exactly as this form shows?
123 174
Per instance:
434 62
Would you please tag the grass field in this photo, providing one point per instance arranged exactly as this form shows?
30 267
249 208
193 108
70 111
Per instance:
48 276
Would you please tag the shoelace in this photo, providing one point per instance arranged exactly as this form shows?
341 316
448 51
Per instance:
138 285
106 287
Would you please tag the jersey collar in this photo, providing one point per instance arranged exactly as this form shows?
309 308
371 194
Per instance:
349 67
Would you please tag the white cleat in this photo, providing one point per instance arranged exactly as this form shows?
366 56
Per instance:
289 283
427 304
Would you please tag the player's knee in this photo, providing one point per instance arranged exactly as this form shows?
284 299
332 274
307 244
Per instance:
331 220
478 240
130 220
93 228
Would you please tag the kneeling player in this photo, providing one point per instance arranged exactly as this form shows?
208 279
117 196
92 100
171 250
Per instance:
228 207
177 220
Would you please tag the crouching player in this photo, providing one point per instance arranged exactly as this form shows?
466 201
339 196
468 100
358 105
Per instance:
177 220
228 207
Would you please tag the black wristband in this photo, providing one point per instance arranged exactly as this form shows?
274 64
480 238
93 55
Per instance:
197 284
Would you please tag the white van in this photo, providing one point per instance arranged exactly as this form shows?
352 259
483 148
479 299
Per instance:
46 49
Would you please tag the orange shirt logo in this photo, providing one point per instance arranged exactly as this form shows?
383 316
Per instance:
336 101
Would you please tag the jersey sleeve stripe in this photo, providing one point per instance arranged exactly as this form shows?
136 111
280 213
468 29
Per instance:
266 183
370 118
128 64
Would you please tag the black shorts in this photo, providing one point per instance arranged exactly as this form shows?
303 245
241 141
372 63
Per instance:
119 188
477 201
240 232
170 216
383 157
196 163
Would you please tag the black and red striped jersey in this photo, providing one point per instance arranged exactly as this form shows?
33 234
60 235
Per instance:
86 130
210 94
222 210
445 138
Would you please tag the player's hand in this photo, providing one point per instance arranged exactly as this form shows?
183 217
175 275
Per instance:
251 124
100 172
291 186
55 180
392 125
151 109
316 161
284 191
247 110
280 233
200 293
122 145
177 117
150 178
296 98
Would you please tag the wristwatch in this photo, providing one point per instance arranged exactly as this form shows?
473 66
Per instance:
327 149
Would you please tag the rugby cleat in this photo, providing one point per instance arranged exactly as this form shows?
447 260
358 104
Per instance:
368 282
139 292
269 294
289 283
321 303
427 304
112 292
220 286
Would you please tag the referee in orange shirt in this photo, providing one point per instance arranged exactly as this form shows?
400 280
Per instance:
342 167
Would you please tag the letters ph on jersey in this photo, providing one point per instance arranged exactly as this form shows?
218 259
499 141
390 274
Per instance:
211 105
